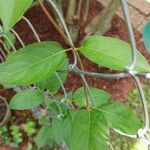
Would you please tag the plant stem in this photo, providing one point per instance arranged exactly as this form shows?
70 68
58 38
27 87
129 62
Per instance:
59 2
54 22
59 5
8 113
2 52
36 3
86 12
79 9
6 49
65 37
82 68
71 11
100 24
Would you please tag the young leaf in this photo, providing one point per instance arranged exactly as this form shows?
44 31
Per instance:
121 117
99 97
89 131
26 99
52 83
111 53
146 36
32 64
11 12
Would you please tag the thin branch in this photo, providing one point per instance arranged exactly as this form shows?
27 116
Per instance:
54 22
58 3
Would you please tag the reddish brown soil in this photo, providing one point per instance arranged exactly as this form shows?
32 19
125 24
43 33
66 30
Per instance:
118 88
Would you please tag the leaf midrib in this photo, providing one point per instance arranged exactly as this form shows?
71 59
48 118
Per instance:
41 61
110 56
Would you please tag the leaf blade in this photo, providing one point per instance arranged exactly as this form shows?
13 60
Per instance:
16 10
111 53
32 63
121 117
43 138
26 99
49 83
89 131
99 96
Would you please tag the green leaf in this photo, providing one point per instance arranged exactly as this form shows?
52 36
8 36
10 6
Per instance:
44 137
89 131
120 117
11 12
57 131
12 38
52 83
50 134
26 99
146 36
32 64
111 53
99 96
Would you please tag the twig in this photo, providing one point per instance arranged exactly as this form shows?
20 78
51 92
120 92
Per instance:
54 22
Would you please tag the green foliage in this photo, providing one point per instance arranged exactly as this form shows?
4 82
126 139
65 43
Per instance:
16 133
111 53
26 99
80 130
32 64
133 101
121 117
52 83
12 38
11 135
88 130
3 134
44 137
69 121
99 97
11 12
29 128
